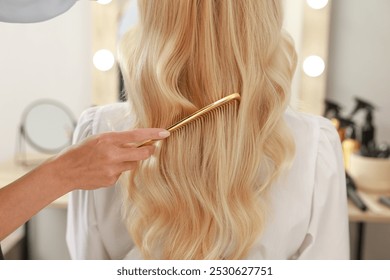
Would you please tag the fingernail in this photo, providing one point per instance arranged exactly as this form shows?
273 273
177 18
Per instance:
164 134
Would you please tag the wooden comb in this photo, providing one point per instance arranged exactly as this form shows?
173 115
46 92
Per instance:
201 112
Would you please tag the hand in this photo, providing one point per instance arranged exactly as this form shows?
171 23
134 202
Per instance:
100 160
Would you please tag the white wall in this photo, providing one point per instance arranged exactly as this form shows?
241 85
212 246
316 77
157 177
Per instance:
51 59
359 60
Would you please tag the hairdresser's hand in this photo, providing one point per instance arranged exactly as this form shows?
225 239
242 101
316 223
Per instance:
99 160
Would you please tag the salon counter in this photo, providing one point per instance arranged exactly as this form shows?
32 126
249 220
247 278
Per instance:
376 213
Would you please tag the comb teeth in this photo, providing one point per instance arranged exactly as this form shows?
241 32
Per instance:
200 113
228 100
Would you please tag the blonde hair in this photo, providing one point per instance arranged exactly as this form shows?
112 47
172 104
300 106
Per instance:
202 195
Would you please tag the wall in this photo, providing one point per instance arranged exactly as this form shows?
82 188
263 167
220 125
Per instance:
51 59
359 65
359 62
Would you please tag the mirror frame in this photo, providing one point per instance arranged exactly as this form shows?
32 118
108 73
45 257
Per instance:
23 135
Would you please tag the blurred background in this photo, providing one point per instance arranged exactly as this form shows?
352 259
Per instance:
60 67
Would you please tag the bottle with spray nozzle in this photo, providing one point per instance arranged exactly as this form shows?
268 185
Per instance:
332 109
360 105
332 112
367 135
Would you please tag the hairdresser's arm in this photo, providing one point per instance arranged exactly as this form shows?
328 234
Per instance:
94 163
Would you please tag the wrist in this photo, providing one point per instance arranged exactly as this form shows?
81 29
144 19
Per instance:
54 173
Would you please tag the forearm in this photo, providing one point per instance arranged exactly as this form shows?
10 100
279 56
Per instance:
22 199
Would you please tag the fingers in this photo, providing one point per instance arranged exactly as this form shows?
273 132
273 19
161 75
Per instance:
139 135
131 156
137 154
128 154
116 149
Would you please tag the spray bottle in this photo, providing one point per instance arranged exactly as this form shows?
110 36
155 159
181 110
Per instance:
332 109
367 136
332 112
360 105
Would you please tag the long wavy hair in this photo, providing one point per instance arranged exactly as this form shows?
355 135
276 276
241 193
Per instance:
203 193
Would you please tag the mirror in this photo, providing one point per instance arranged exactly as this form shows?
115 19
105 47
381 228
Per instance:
47 126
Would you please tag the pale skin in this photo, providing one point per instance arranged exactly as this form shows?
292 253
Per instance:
96 162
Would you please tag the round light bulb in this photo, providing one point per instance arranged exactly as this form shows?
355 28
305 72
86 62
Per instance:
313 66
103 60
317 4
104 2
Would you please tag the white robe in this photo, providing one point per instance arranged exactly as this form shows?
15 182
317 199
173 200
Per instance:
308 205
